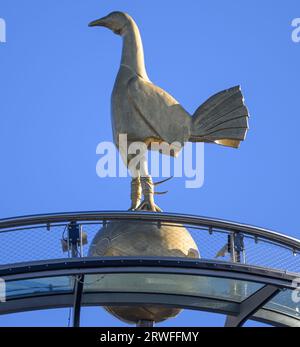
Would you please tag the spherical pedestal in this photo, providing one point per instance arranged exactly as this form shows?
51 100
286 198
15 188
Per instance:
143 239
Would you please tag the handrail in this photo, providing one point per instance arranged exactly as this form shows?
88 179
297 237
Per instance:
49 219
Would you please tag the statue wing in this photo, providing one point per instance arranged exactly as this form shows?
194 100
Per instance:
160 111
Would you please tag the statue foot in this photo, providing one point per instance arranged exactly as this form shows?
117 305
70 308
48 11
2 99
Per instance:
147 205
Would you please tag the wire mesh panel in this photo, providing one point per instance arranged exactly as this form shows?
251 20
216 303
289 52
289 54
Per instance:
37 243
267 254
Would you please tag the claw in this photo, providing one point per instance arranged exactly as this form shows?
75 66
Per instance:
149 206
135 205
163 181
133 208
148 203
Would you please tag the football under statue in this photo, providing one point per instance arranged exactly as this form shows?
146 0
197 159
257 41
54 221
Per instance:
148 114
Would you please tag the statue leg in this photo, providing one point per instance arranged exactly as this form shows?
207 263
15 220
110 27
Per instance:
136 188
148 203
141 182
136 193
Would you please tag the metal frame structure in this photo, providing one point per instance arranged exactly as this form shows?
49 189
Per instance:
78 267
251 305
78 290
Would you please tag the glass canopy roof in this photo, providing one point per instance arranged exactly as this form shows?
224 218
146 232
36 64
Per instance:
203 292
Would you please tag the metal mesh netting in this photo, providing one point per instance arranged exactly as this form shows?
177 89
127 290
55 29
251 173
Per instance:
270 255
42 243
31 244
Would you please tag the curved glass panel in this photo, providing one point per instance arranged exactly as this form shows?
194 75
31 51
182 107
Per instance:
286 302
211 289
178 284
39 286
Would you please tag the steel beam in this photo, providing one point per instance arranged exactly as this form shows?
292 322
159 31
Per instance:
78 289
77 266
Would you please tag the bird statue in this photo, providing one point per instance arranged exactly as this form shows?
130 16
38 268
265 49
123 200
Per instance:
148 114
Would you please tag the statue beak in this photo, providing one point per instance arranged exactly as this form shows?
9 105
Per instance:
98 22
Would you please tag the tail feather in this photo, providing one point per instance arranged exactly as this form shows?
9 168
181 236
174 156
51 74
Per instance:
240 121
215 111
238 113
222 119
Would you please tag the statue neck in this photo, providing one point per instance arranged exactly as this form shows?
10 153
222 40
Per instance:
133 53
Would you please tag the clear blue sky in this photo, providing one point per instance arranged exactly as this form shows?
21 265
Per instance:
56 76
